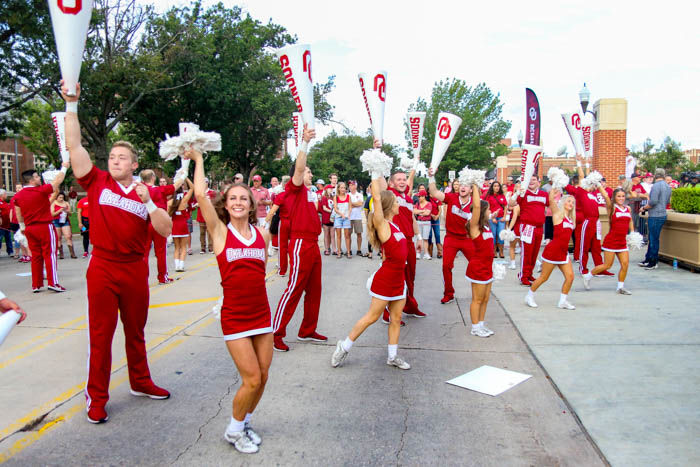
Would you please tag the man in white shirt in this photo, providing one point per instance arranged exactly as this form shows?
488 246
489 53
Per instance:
356 203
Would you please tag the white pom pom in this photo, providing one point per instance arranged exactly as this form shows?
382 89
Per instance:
277 190
170 148
421 169
499 271
21 239
507 235
468 176
375 161
192 138
405 162
216 309
557 177
50 175
592 180
634 240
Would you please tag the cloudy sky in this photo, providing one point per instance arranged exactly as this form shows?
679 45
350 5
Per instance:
647 55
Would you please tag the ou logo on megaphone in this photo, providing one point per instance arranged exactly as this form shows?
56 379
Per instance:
70 10
306 58
576 121
380 86
444 128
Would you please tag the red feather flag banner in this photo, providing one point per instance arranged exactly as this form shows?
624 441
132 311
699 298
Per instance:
532 117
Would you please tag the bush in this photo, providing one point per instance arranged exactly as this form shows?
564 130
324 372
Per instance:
686 200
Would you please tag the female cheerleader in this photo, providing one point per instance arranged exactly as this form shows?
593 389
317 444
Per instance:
181 233
241 251
513 221
60 209
615 242
480 267
387 286
556 253
497 204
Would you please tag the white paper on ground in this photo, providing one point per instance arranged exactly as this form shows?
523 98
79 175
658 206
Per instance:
489 380
24 274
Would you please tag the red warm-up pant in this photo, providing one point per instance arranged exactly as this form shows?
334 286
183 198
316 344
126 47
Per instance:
116 289
304 277
41 239
411 305
452 246
528 255
577 238
160 247
589 243
283 234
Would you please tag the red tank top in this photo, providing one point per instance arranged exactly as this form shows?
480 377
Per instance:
457 215
405 218
620 222
395 250
562 233
242 268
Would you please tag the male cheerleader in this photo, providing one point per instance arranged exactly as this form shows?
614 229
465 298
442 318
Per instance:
305 257
33 211
117 277
532 206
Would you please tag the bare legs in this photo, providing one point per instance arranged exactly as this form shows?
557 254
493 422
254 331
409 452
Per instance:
327 237
547 268
375 311
624 258
252 356
480 299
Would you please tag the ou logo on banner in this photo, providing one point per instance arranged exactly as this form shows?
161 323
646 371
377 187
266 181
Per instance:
307 63
70 10
533 114
444 128
576 121
380 86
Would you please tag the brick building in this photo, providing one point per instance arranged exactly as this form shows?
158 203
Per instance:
610 137
509 164
15 158
693 155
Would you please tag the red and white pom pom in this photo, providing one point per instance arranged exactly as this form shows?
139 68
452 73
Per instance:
468 176
557 177
375 161
499 271
635 240
507 235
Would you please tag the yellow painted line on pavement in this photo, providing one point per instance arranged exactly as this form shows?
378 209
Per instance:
185 302
39 347
41 336
33 436
201 325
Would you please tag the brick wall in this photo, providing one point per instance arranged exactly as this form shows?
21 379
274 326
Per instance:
12 165
609 151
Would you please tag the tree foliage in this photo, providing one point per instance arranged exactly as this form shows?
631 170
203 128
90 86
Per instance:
667 155
481 130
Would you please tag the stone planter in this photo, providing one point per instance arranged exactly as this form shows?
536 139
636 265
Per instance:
680 238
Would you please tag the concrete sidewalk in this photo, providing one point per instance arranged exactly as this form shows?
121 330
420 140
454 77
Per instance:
362 413
628 365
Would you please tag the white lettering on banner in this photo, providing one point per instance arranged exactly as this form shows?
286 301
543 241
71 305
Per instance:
536 199
463 214
623 214
234 254
399 236
109 198
287 72
415 126
311 197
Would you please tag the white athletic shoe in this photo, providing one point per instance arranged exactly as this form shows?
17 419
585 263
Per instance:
398 363
517 250
339 355
624 291
491 333
252 435
417 255
241 442
530 301
565 305
480 332
511 265
427 256
587 283
270 251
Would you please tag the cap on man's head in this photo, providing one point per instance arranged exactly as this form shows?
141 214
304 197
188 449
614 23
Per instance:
320 181
648 174
352 182
603 179
257 178
636 175
422 193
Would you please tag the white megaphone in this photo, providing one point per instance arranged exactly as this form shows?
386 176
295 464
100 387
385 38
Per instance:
573 126
529 157
587 139
373 86
70 19
416 123
295 61
8 320
59 127
445 130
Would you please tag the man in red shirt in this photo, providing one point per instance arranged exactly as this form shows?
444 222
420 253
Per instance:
282 206
84 223
458 212
33 209
532 216
262 199
5 231
117 277
305 274
159 194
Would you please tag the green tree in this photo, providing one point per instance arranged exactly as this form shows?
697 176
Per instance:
667 155
39 133
480 133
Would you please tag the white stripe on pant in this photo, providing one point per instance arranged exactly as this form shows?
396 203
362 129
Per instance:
54 265
292 284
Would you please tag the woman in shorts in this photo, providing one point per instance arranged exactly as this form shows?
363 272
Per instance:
342 224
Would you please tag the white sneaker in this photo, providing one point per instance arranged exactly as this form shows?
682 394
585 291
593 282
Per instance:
241 442
517 250
529 301
624 291
339 355
491 333
480 332
270 251
252 435
427 256
587 283
398 363
566 305
511 265
417 255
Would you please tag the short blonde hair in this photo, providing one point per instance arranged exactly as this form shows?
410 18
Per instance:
147 175
129 146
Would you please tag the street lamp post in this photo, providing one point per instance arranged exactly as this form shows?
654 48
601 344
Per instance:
584 96
520 138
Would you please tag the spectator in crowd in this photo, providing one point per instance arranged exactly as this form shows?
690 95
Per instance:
72 198
325 205
203 235
60 210
19 249
5 230
262 199
274 181
84 223
423 210
640 196
435 227
320 185
162 181
356 203
238 178
659 197
342 224
497 205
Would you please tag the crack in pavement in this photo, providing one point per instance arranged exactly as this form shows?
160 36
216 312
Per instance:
199 436
405 420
